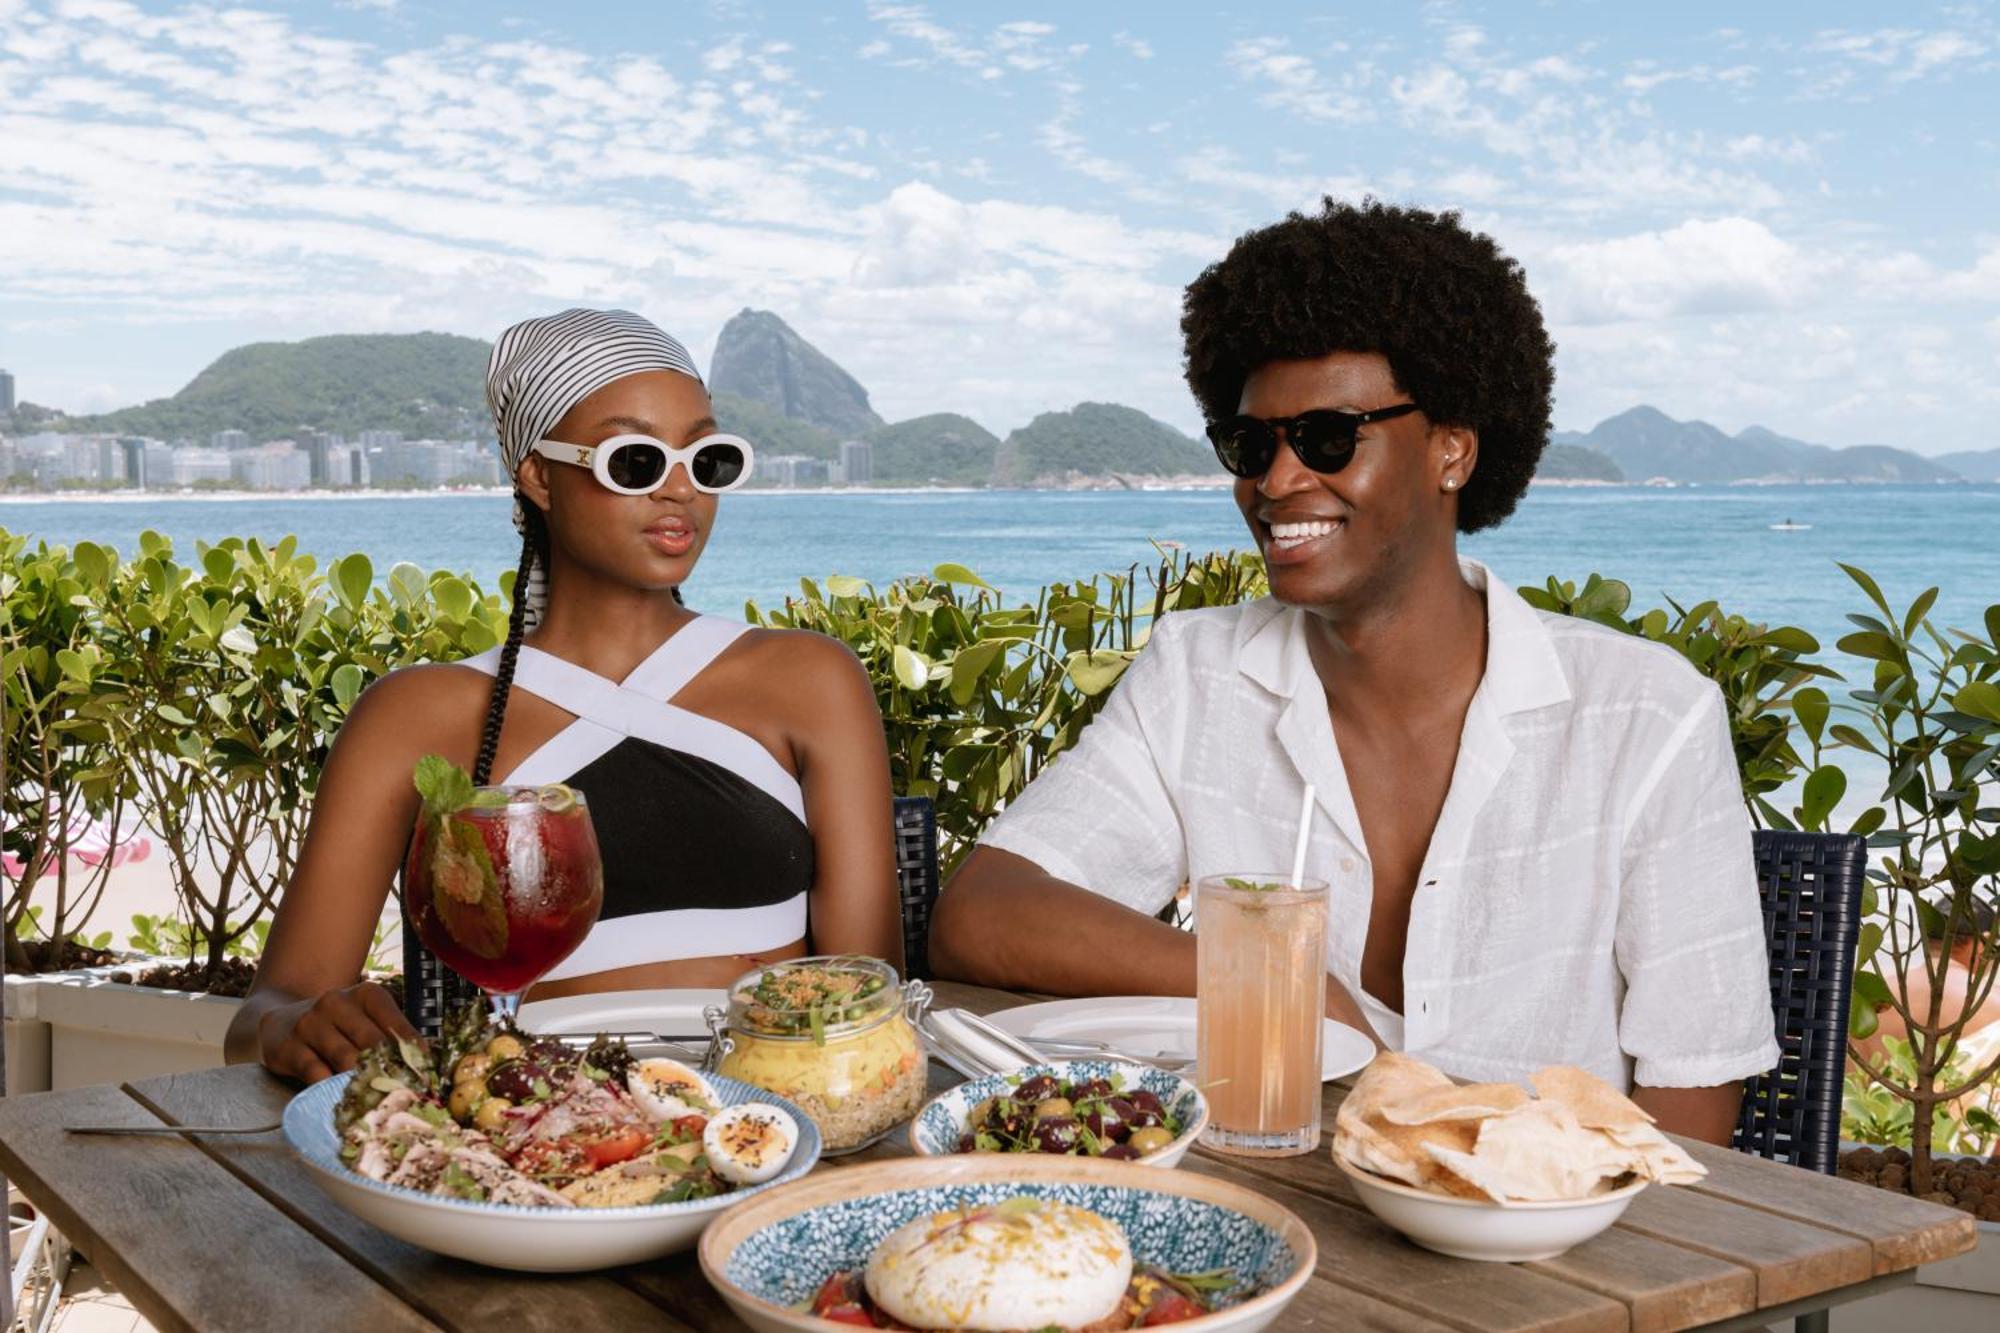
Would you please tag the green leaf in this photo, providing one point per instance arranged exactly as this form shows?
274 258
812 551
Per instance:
912 668
1869 820
1810 706
346 683
352 577
845 585
1867 584
1867 644
1869 986
972 663
1861 1021
951 572
465 890
1918 610
444 787
1789 639
1098 670
1981 699
1823 789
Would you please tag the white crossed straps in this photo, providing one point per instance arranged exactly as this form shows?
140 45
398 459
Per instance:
608 711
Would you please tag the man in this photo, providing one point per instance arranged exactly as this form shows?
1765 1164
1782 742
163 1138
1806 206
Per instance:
1531 825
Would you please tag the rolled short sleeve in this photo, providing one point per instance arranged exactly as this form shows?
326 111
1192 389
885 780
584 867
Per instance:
1690 935
1102 815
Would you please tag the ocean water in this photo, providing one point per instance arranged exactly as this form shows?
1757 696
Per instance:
1689 544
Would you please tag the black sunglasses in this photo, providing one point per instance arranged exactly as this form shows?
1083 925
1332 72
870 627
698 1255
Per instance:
1322 438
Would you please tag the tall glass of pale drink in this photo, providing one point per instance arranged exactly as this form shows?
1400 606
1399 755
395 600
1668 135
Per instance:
1260 995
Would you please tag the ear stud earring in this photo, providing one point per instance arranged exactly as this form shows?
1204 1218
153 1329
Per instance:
1451 483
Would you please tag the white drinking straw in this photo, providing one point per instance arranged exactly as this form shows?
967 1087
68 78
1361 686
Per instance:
1305 829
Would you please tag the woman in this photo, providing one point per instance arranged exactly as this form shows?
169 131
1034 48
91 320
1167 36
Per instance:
736 777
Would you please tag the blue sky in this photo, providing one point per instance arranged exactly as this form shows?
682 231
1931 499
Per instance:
992 209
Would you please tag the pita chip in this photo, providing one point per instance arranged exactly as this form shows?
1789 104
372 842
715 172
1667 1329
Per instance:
1594 1103
1475 1101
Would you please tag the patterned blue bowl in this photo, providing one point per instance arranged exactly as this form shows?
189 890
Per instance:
936 1130
769 1254
516 1236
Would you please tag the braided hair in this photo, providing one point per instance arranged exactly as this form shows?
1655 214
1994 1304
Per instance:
534 550
534 547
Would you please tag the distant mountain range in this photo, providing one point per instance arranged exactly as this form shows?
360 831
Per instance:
773 386
1644 444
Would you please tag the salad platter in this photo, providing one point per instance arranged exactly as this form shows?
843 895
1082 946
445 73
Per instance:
492 1145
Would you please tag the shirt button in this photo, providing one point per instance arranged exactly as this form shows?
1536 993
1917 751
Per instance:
1347 864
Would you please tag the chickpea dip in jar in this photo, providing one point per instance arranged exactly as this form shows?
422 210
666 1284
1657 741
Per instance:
835 1036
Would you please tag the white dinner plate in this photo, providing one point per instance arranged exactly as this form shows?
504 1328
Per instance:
670 1013
1143 1025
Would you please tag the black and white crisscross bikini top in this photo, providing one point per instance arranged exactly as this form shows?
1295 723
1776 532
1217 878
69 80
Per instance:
702 832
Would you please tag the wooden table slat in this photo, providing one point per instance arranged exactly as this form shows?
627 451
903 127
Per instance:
1903 1231
455 1295
1357 1251
190 1245
1791 1259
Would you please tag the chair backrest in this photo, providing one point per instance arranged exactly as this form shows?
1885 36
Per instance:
1810 884
430 989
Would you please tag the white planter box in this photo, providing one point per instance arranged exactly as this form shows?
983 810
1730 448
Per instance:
27 1038
103 1032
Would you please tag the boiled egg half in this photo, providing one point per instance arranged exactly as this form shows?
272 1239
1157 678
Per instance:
668 1089
750 1142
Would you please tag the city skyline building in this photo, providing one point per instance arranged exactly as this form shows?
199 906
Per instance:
857 463
229 439
6 391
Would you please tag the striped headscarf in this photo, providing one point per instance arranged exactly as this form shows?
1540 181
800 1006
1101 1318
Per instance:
541 368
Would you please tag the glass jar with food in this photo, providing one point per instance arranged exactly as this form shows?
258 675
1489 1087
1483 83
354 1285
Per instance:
835 1036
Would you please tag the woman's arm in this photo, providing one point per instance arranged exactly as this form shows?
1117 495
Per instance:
844 769
308 1015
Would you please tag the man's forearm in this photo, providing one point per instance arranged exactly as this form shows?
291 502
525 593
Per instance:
1035 933
1708 1114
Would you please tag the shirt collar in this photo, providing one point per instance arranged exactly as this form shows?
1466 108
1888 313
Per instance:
1523 671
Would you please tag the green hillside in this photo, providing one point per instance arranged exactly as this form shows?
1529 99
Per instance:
1576 462
1097 439
419 383
770 431
941 448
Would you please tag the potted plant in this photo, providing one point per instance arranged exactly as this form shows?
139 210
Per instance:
63 806
231 679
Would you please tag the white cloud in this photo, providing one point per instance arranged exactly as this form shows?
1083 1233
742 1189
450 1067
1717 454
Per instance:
1698 268
1136 47
1291 82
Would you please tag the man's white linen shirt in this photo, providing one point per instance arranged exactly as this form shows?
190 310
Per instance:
1588 897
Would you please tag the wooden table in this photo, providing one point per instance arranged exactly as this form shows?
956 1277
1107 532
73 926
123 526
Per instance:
232 1233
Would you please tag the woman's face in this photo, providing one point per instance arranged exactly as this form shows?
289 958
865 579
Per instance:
1336 539
650 541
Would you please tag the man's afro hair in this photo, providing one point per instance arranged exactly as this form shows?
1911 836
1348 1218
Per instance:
1449 311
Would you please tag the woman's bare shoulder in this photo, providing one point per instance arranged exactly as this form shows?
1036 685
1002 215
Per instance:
420 707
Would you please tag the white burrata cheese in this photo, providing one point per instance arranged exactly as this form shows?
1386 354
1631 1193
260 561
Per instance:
749 1143
1025 1263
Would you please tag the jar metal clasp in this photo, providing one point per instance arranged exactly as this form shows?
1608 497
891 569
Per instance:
720 1043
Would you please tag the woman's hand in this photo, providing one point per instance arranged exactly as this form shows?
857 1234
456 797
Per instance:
314 1039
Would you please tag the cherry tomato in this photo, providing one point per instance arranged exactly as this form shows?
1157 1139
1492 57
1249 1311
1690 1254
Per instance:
836 1301
690 1126
1170 1307
618 1146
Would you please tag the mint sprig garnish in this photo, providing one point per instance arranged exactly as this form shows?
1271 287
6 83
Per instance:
465 889
444 787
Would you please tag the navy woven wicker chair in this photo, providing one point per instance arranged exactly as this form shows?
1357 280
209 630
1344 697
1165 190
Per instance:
430 989
1810 884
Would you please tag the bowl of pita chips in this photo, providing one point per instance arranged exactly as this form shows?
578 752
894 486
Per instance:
1490 1171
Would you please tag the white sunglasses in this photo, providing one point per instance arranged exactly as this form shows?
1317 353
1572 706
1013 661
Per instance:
637 464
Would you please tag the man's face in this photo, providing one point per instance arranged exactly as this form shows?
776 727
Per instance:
1338 539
